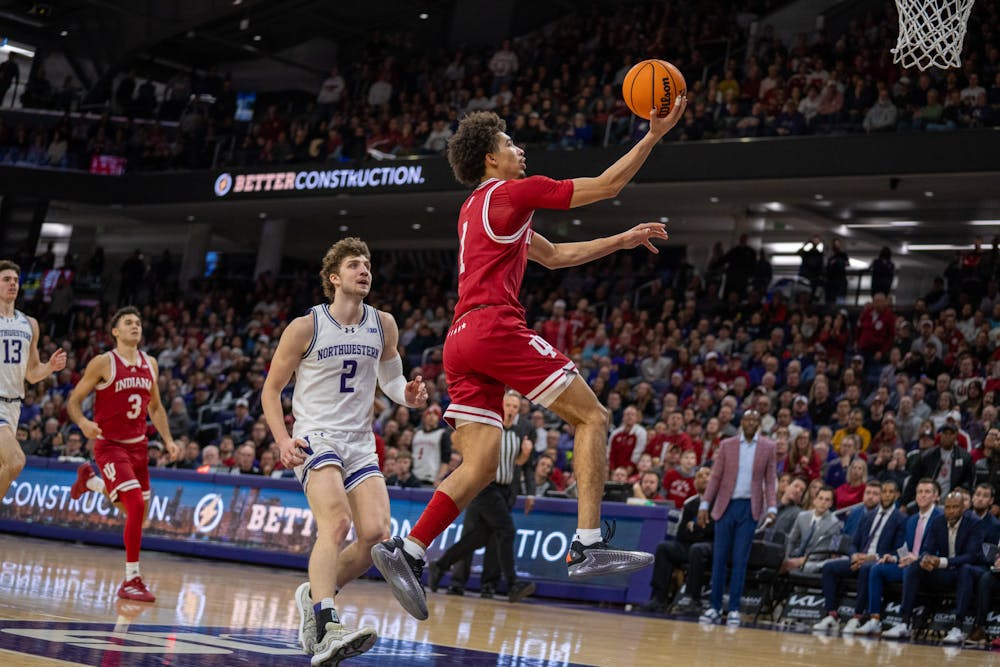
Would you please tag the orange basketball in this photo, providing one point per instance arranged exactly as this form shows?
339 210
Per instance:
652 84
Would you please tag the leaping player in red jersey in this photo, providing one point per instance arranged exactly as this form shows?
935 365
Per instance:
124 382
489 347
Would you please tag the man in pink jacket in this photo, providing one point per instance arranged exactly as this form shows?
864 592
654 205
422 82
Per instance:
742 487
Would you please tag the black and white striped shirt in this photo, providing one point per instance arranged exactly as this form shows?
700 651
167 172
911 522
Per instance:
510 447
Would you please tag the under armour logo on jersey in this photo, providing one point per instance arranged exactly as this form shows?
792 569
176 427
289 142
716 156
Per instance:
109 471
349 329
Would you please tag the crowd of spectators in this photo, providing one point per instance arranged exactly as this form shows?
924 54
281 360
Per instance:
558 88
848 396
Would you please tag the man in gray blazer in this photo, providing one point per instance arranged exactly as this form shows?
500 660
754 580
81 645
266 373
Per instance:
813 530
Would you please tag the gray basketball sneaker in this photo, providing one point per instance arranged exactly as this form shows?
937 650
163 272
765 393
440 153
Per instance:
307 618
402 572
339 644
600 558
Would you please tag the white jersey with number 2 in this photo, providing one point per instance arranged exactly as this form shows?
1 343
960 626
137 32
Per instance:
336 378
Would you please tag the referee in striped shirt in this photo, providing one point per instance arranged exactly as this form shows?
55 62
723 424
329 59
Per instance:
488 516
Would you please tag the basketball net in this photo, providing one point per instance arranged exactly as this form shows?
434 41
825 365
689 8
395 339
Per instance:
931 32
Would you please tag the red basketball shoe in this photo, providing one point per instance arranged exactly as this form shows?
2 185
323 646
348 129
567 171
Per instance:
134 589
83 475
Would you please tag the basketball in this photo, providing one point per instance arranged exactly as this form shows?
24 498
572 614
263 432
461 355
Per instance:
652 84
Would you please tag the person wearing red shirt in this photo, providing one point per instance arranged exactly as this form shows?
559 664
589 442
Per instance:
853 490
679 482
627 442
654 446
876 328
677 436
558 330
124 381
489 347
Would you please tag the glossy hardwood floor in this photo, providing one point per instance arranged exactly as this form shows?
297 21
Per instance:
58 607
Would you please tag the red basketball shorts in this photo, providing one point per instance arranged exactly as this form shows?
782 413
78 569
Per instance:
490 349
123 466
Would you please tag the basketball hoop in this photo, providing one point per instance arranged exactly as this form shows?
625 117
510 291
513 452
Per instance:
931 32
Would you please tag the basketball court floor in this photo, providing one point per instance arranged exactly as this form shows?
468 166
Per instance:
58 607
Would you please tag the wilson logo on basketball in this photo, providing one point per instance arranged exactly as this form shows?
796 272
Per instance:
109 471
208 513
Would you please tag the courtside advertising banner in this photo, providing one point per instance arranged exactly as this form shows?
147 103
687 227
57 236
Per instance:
267 516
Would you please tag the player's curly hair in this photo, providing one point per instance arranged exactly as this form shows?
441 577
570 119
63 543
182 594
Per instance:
350 246
467 149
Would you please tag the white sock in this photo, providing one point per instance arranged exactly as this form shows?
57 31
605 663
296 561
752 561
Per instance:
326 603
414 549
587 536
96 484
131 571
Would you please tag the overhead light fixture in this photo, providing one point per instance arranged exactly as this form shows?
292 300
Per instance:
430 209
343 211
775 206
7 47
343 228
817 196
256 38
928 193
423 16
262 215
415 225
855 263
984 223
930 247
884 225
783 248
785 260
577 222
714 199
244 24
63 33
664 219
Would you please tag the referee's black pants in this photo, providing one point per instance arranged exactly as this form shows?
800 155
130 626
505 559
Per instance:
486 517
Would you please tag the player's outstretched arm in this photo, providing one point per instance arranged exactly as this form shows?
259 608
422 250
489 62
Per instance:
37 371
412 394
97 371
293 344
158 415
561 255
610 183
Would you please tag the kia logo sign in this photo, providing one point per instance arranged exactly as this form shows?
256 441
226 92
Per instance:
223 184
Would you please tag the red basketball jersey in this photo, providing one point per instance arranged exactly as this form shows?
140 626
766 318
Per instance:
121 402
494 230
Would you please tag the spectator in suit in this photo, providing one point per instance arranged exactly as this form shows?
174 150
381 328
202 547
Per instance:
742 488
869 501
891 566
789 508
813 530
949 465
676 553
951 541
981 576
880 533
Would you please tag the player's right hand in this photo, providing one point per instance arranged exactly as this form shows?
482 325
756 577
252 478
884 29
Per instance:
293 452
660 125
90 429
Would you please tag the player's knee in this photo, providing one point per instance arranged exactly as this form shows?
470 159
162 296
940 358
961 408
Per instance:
370 535
597 415
335 528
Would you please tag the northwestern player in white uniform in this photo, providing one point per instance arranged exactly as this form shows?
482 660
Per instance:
18 362
337 351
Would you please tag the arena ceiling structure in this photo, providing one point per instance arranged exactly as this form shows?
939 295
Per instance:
924 214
